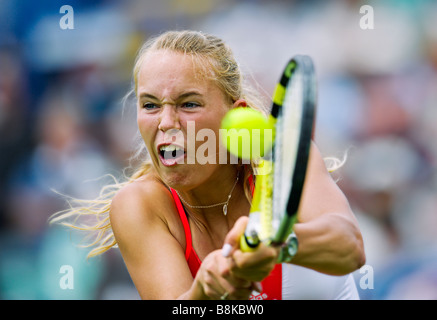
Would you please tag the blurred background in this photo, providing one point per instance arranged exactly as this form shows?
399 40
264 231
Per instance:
62 126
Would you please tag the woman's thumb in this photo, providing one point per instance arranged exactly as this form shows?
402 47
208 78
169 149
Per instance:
232 240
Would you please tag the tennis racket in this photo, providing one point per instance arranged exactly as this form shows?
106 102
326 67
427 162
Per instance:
280 174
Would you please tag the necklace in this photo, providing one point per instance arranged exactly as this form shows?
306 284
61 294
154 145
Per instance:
224 204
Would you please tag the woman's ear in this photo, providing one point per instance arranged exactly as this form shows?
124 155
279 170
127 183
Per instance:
240 103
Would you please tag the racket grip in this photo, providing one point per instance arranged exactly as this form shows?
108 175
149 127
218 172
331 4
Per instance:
249 242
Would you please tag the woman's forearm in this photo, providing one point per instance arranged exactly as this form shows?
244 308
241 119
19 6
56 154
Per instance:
330 244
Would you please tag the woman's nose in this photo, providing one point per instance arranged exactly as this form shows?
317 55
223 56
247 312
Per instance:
169 118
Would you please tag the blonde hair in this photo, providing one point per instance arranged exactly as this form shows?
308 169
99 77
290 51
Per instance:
217 61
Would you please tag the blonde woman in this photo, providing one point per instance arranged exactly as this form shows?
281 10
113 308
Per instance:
174 215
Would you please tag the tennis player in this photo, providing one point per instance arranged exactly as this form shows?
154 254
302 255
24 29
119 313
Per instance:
177 220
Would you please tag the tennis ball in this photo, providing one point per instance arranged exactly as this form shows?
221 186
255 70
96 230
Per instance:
247 133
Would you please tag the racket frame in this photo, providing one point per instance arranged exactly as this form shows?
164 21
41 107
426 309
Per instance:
260 218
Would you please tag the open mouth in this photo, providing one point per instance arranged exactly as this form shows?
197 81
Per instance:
171 154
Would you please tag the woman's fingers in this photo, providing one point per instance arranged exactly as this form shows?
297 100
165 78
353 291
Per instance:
232 274
250 266
218 282
261 256
226 272
253 266
232 240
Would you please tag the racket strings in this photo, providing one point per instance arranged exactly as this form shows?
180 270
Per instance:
288 128
266 203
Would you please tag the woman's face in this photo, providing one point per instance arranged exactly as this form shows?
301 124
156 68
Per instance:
175 102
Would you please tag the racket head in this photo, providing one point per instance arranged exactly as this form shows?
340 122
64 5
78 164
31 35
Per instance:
294 108
279 186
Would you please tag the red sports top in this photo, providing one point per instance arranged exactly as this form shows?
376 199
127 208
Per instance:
272 285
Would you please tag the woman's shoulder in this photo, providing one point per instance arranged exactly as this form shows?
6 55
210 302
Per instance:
145 206
144 198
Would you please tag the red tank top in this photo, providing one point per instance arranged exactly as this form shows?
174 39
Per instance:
272 285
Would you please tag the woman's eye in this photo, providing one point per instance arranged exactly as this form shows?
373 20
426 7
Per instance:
190 105
149 106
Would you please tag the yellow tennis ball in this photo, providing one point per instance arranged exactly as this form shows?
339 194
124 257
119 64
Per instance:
247 133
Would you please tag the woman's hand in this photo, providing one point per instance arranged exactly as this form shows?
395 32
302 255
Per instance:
215 280
251 266
232 274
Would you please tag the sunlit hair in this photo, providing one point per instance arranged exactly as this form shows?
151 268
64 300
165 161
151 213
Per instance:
215 60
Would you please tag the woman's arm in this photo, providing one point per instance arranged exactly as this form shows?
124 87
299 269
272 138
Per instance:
147 232
329 237
153 256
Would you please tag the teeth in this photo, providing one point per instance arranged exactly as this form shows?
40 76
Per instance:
170 148
170 152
